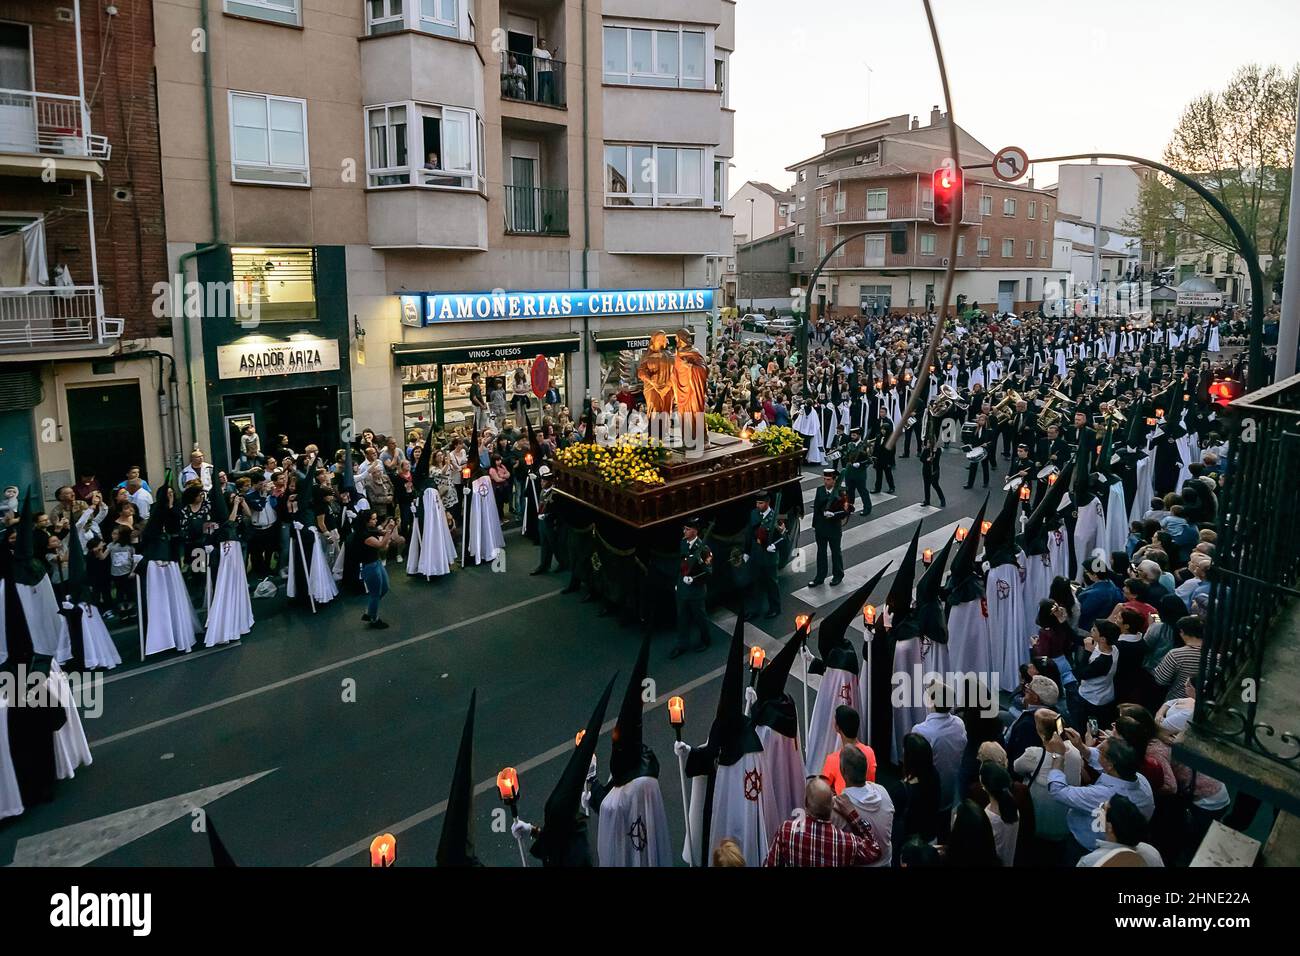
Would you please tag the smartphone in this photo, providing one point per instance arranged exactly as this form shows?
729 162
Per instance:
1060 727
1092 727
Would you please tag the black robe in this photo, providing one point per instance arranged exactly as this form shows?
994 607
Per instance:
31 746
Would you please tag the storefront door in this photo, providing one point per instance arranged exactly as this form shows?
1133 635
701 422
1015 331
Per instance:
308 416
107 432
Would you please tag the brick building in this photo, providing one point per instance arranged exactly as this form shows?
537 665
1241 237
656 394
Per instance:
82 386
874 180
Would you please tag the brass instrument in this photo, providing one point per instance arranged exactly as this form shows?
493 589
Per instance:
1005 409
947 399
1051 414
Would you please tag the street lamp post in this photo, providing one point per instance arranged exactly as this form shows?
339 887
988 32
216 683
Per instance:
751 240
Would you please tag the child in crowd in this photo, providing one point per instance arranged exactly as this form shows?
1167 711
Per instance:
121 559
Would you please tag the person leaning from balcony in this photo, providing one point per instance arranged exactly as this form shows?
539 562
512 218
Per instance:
514 81
545 73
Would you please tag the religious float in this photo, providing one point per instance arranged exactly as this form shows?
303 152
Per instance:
622 504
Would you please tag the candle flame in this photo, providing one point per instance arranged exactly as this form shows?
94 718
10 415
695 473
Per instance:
676 711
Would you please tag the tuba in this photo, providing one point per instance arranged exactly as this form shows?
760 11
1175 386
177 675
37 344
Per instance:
947 399
1005 409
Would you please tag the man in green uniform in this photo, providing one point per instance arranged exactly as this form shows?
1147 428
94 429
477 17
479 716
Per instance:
766 532
830 510
692 589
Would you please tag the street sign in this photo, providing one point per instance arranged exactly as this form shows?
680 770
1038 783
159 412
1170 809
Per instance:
1010 163
1200 300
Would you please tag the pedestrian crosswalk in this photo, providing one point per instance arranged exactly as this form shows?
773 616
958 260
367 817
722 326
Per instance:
858 574
856 534
806 522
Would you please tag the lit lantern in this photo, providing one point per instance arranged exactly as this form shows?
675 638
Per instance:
1186 397
676 711
744 434
383 850
932 369
984 528
961 534
466 472
1024 492
577 739
801 622
528 458
1225 392
1051 479
907 376
927 556
868 614
508 784
1160 413
1151 422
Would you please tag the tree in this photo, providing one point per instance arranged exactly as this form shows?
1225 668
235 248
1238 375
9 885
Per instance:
1239 143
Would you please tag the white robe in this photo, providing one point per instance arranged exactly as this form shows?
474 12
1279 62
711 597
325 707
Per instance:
71 749
230 616
171 620
1059 550
1038 582
1116 520
1213 344
810 425
4 638
49 630
320 576
485 537
11 801
837 687
1089 533
1005 594
783 779
633 829
97 644
1143 491
737 812
913 660
970 647
432 549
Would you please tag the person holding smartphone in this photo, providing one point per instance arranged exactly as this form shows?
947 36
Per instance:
375 539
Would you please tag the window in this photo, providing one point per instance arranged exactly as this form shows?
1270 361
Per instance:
961 245
720 78
927 197
927 243
877 203
872 155
982 247
276 285
1008 248
875 251
268 139
1029 289
647 175
445 142
821 248
719 182
276 11
1042 254
785 210
798 256
1008 206
665 56
1033 208
822 170
821 206
1047 212
803 201
986 205
803 178
801 230
840 199
1029 248
449 18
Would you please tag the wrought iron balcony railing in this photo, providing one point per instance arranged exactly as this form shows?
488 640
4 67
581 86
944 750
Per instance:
39 317
535 211
48 124
533 79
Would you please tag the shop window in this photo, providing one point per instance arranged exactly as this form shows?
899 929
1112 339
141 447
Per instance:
275 285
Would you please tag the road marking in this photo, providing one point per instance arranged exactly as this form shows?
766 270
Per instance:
490 784
872 528
805 523
316 672
726 620
85 842
859 574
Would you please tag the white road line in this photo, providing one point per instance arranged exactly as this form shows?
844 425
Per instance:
726 620
873 528
805 523
859 574
316 672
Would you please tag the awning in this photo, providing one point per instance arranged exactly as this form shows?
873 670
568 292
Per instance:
483 350
621 340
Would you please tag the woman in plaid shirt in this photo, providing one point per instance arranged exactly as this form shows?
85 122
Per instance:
813 839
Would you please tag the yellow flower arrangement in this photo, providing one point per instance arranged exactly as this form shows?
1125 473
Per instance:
777 440
632 459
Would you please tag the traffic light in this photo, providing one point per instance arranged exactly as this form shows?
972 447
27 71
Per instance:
946 185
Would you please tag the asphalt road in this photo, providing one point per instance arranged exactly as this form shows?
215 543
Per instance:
337 768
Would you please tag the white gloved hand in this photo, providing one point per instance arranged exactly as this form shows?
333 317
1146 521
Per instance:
521 830
751 696
829 514
807 654
297 526
591 771
687 579
682 749
744 557
771 548
857 464
415 507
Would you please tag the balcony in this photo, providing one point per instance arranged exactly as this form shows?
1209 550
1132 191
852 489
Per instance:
659 230
36 126
530 79
34 318
416 217
533 211
1244 731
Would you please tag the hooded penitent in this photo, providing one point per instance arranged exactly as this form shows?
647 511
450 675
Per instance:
89 641
727 789
1086 509
563 840
777 724
633 827
1004 597
230 615
170 621
964 580
1037 540
44 627
456 845
841 674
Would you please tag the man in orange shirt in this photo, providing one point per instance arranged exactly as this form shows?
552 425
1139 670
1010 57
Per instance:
847 723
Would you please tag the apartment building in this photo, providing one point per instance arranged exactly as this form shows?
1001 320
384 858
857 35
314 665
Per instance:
86 386
872 183
401 193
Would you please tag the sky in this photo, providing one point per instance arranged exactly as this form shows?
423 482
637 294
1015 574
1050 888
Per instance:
1052 76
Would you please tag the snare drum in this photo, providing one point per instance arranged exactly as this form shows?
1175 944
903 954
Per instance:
1047 471
968 432
977 455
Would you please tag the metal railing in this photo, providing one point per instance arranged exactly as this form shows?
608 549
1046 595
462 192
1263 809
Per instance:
34 317
1254 582
48 124
532 79
536 211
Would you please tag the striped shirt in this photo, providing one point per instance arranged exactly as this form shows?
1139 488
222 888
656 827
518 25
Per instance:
1177 667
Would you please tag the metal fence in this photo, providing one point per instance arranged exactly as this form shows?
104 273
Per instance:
39 316
537 211
48 124
533 79
1257 568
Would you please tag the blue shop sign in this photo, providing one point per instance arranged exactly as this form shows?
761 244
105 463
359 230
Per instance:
426 308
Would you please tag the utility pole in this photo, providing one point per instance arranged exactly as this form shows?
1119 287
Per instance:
1288 330
1096 251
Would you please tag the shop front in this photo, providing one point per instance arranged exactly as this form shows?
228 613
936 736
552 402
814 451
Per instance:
620 352
436 378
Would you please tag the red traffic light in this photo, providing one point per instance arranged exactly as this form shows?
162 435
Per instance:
946 185
1225 392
